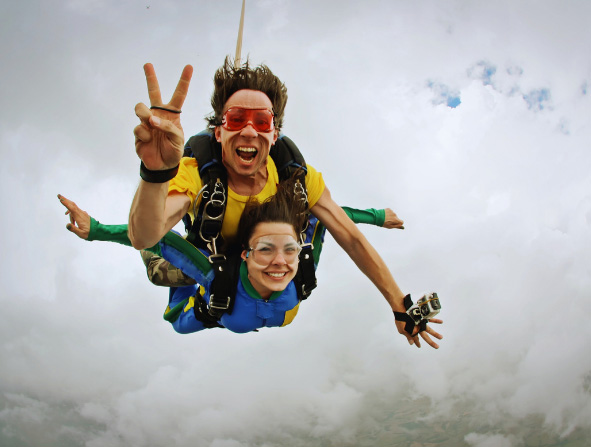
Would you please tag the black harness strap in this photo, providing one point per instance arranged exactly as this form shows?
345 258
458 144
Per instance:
305 278
289 162
220 298
288 159
224 285
207 225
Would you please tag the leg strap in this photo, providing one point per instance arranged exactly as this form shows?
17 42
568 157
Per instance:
202 313
221 288
306 276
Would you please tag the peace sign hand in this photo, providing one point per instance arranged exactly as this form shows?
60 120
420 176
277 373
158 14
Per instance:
159 138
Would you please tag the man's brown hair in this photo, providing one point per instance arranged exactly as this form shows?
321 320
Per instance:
229 79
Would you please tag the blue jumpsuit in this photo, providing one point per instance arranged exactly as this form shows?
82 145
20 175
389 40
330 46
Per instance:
250 311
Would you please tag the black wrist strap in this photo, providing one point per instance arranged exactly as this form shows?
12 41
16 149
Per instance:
157 176
410 323
403 316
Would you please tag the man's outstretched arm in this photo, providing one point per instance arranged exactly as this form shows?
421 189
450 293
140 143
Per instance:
367 260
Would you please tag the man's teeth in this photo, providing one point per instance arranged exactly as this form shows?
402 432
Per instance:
277 275
247 154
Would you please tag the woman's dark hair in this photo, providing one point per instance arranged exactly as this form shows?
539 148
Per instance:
229 79
284 207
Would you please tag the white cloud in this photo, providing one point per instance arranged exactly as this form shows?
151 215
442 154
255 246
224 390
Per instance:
478 440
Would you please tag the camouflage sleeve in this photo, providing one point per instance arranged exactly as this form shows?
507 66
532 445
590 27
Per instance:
163 273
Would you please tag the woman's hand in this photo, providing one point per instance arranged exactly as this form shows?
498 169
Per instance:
79 219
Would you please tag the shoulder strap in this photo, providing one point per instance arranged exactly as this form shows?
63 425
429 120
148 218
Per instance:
287 157
207 224
290 161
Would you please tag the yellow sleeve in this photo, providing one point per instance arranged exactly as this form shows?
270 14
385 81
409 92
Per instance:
187 180
314 185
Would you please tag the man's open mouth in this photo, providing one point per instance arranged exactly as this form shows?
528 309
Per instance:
246 154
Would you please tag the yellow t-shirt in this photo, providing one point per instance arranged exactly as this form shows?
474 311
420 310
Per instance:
188 181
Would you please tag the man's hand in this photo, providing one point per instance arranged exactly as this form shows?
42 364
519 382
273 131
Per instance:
159 138
392 220
413 339
79 219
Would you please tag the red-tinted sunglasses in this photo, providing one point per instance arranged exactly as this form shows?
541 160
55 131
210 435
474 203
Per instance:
237 118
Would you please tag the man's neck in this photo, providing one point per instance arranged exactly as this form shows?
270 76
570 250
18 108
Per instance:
248 185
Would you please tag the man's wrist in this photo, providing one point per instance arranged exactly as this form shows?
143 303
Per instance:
398 304
163 176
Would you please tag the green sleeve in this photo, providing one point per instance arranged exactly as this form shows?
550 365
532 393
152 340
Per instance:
113 233
370 216
110 233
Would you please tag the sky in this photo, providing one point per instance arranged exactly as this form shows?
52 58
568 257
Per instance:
469 118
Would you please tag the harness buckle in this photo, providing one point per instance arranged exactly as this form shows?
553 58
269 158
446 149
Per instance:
221 295
219 305
216 258
306 249
213 212
300 192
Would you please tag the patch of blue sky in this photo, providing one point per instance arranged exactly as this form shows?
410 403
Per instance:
484 71
453 101
444 95
537 99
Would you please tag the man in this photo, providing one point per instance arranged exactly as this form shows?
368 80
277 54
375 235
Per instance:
248 113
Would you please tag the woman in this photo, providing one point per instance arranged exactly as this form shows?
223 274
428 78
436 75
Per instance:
265 295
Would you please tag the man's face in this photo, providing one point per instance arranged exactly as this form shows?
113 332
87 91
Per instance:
245 151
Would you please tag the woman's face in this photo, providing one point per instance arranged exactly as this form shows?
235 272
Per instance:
272 257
